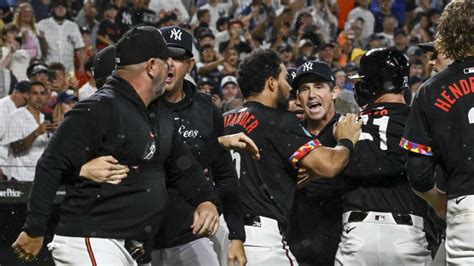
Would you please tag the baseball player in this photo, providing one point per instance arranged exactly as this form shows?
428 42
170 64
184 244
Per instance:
440 130
383 219
97 218
315 221
268 185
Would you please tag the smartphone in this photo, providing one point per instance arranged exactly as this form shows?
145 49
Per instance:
48 117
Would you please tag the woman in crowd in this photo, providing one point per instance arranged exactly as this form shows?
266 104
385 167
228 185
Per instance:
14 57
33 42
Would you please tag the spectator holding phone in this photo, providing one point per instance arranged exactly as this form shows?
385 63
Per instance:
26 134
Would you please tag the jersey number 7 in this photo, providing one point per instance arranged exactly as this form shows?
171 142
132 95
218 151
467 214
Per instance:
236 158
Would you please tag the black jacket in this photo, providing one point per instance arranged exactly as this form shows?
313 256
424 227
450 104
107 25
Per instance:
114 121
200 123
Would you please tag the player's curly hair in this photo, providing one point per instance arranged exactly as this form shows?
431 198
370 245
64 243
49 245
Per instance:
455 37
255 69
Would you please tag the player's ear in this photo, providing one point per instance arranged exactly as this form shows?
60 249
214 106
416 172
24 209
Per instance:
271 83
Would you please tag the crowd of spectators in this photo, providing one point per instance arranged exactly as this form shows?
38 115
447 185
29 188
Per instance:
51 43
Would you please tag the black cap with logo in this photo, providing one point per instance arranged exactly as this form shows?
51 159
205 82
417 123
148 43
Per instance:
139 44
291 75
179 38
315 68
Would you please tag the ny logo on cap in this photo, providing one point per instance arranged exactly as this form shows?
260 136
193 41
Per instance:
307 66
176 34
293 75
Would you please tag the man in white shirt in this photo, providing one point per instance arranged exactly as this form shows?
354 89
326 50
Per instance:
27 134
63 38
8 104
362 11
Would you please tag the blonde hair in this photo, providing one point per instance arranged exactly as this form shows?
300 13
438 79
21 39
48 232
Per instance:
455 37
17 17
58 114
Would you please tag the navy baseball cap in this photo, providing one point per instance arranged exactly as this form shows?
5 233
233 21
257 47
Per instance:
23 86
315 68
204 80
139 44
204 32
66 97
291 75
180 38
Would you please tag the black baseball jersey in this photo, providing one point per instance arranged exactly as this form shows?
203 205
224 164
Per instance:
200 123
315 225
267 185
441 124
375 178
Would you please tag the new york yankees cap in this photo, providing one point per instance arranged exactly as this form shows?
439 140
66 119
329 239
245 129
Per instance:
180 38
315 68
141 43
291 76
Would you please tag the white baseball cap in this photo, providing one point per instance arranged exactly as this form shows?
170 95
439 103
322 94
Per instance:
228 79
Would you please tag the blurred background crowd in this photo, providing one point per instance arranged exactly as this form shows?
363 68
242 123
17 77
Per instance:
47 47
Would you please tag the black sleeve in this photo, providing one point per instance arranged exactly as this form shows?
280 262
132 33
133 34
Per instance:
289 136
417 135
186 175
420 171
72 145
226 182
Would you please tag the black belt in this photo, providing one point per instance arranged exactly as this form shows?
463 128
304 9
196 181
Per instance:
358 216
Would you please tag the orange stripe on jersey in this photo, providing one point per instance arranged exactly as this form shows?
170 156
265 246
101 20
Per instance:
91 253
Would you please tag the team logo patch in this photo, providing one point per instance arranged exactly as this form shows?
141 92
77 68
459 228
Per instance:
176 34
307 66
